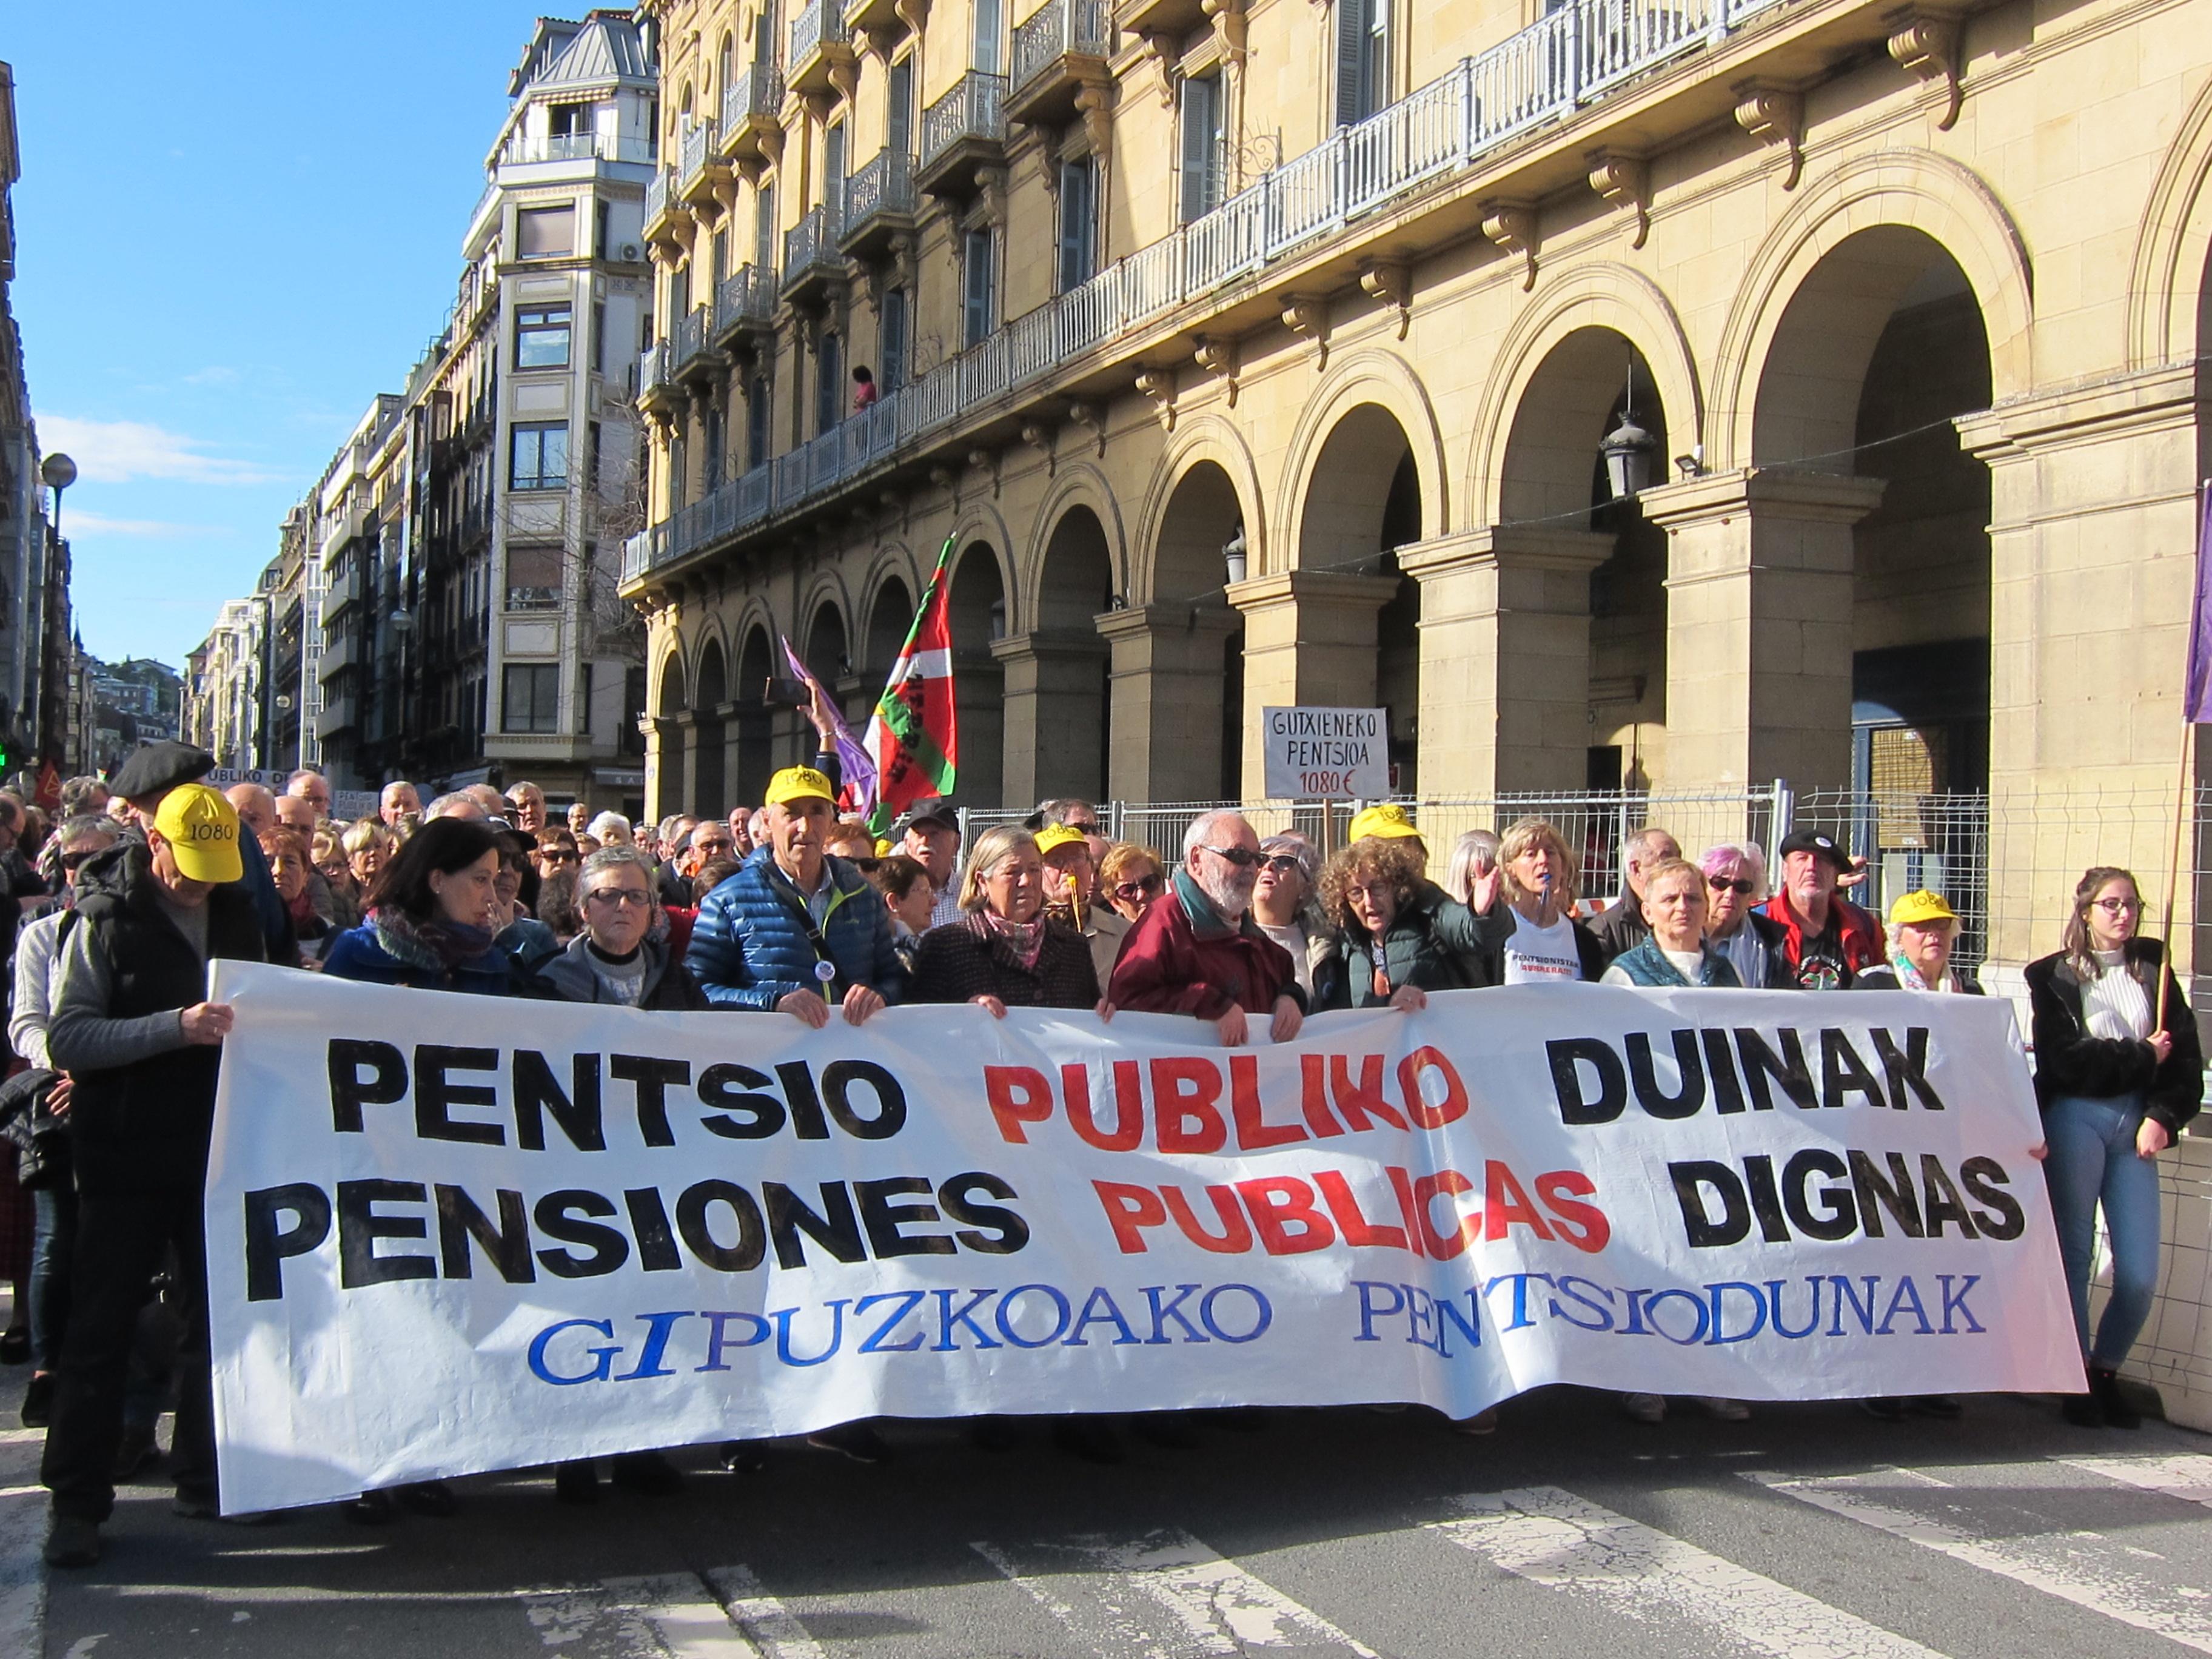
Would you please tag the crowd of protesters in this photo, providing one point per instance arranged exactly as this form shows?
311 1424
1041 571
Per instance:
113 909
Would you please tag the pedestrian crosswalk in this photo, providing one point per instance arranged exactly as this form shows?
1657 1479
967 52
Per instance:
2141 1573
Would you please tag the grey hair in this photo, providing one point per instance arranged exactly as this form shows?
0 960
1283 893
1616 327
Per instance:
84 824
614 858
1059 810
1201 828
1302 850
1637 848
1475 853
598 824
458 805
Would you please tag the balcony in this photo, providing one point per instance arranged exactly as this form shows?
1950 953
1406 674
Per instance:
336 656
700 169
522 150
344 590
1420 165
690 345
1061 48
744 309
820 52
878 205
965 130
534 599
751 112
1173 18
337 715
664 212
811 262
656 379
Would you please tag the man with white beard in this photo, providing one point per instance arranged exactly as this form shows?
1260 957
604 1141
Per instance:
1199 951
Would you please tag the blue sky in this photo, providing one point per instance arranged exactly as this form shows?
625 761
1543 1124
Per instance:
237 222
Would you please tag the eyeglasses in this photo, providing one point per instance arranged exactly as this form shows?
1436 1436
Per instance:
1237 855
637 895
2118 906
1143 887
1723 885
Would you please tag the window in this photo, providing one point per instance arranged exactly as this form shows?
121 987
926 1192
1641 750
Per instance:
898 118
711 438
548 233
828 382
541 337
977 284
598 337
833 173
679 475
600 227
533 578
541 457
758 409
628 738
721 255
584 699
530 699
1363 59
890 347
1079 219
1202 145
985 58
571 120
593 472
679 290
764 226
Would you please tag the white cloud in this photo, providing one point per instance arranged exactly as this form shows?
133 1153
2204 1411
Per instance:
74 523
122 452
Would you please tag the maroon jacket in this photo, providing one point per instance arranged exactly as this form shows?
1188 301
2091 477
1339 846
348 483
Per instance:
1183 959
1831 960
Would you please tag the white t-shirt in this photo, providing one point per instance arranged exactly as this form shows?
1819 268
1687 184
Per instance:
1542 956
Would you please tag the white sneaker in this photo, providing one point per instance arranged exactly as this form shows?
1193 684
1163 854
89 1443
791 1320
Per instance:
1725 1411
1644 1407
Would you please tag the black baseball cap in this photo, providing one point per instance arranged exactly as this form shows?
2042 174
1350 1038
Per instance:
936 810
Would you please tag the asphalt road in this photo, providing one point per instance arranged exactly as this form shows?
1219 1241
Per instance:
1811 1532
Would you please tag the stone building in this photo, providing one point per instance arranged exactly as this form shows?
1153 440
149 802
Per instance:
1252 353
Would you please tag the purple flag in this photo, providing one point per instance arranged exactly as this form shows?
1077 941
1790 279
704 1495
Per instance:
2197 696
858 784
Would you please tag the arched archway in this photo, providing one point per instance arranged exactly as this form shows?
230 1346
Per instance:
890 615
828 655
976 611
1341 627
1177 679
668 711
1057 738
712 691
752 730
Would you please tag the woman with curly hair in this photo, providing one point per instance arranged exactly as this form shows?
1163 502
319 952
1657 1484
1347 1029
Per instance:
1393 934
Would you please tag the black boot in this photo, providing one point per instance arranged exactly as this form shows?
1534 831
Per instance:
2104 1390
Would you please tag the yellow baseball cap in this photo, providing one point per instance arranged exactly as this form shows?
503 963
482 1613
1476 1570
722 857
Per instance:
799 783
1053 837
1917 909
202 830
1387 821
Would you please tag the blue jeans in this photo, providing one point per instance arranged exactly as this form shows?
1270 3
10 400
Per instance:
2092 1160
53 1238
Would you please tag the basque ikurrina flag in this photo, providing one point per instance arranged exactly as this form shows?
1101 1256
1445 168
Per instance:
914 737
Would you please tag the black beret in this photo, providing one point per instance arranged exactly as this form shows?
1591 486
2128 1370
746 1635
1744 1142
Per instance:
159 767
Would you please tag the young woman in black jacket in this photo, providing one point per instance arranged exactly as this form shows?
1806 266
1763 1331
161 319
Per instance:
2119 1071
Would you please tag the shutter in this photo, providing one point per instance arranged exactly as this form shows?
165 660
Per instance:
977 278
899 121
893 341
833 175
1350 51
764 229
986 55
1199 98
1078 214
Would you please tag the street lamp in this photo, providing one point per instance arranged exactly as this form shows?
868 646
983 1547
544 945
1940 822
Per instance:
1233 556
59 473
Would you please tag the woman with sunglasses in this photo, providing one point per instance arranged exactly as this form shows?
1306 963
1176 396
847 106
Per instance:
1284 904
2119 1071
1756 947
557 851
1130 878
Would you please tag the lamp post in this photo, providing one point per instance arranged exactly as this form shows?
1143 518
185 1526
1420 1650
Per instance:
1628 448
1233 558
59 472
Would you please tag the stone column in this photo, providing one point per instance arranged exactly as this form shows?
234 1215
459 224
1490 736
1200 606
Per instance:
1055 713
1505 657
664 771
683 797
1166 694
1759 626
1309 638
2092 534
978 700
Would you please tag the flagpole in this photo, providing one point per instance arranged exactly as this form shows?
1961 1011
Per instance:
2185 793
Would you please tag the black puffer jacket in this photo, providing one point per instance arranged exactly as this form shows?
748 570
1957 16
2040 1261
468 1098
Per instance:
2070 1061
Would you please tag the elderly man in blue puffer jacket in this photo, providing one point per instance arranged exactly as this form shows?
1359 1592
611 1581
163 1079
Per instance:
795 930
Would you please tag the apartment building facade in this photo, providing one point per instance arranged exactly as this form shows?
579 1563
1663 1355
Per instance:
1675 397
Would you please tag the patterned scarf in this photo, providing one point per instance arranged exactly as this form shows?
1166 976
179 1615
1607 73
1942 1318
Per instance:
1024 941
1910 978
437 945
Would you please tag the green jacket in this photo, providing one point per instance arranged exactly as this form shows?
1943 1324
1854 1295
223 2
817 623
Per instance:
1434 942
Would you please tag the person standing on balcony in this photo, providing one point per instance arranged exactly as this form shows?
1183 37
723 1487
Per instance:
864 387
1826 939
2116 1082
1622 925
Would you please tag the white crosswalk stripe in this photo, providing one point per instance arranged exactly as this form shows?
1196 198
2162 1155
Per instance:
1164 1595
2085 1568
2185 1475
1556 1539
722 1614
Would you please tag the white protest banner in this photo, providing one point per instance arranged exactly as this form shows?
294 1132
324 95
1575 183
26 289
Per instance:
446 1234
1326 754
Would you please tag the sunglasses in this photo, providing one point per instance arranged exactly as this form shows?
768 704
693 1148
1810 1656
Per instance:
560 856
1723 885
620 895
70 860
1235 856
1281 863
1143 887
